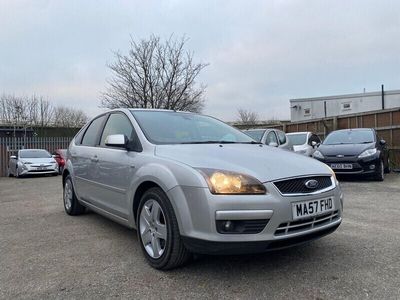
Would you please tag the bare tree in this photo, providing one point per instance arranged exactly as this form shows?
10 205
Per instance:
69 117
35 111
155 74
247 117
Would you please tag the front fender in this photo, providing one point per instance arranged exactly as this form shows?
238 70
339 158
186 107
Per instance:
166 175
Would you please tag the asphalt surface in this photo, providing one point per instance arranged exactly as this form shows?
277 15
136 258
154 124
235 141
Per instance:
46 254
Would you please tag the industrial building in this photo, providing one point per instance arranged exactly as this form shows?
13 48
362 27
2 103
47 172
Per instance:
330 106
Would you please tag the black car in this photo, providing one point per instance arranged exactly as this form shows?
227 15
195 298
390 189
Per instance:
355 151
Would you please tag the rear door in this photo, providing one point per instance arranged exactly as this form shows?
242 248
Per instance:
84 159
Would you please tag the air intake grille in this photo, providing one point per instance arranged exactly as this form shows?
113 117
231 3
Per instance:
306 224
298 185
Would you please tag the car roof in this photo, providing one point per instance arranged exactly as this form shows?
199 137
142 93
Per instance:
300 132
356 129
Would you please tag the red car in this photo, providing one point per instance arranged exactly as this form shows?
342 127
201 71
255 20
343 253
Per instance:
60 155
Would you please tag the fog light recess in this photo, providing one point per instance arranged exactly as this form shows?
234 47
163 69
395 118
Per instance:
241 226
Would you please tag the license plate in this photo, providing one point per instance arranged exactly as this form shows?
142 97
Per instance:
41 168
312 208
342 166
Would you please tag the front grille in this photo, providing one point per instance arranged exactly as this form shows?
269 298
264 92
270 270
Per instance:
306 224
242 226
298 185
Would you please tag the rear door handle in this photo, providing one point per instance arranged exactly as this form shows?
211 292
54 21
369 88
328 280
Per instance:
95 159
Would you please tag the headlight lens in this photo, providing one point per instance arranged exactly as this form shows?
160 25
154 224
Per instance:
334 176
226 182
367 153
318 154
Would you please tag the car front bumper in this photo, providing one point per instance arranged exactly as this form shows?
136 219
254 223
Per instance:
367 165
198 212
33 170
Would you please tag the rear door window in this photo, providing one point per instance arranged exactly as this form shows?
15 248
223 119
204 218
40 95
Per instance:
91 137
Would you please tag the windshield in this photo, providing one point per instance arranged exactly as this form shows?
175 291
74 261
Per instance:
34 154
349 137
168 127
255 134
298 139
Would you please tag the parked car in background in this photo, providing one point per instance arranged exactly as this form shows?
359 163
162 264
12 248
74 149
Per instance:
304 143
192 184
355 151
32 161
270 137
60 155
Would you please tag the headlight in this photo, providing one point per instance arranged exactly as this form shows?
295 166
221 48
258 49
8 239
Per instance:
367 153
318 154
334 176
27 163
225 182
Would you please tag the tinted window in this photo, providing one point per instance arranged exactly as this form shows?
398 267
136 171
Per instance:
298 138
271 138
350 137
168 127
92 133
255 134
281 137
117 124
34 154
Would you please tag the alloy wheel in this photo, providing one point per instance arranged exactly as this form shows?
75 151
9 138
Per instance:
153 229
68 194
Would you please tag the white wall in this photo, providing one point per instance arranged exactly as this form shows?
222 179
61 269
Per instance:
335 105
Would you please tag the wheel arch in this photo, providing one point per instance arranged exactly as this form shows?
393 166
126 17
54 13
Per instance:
140 191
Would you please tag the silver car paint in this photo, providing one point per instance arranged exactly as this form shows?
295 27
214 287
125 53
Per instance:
106 180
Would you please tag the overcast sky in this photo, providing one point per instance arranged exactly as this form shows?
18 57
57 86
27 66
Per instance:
261 53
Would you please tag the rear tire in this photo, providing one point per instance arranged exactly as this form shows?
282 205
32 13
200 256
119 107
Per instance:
380 172
155 211
71 203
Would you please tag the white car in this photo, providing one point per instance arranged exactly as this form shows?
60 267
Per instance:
270 137
304 143
32 161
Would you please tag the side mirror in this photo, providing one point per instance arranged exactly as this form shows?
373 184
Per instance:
273 144
13 157
314 143
117 140
382 142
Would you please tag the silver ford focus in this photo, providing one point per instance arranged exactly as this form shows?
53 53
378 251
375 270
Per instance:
190 183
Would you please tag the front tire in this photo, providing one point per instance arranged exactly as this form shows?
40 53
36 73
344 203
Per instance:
71 203
158 232
380 172
388 169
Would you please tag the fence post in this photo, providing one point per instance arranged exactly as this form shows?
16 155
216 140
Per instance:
334 123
